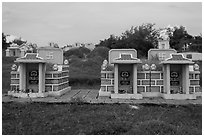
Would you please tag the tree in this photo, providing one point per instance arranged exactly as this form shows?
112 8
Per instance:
196 45
81 52
180 39
99 51
19 41
53 44
32 47
141 38
4 43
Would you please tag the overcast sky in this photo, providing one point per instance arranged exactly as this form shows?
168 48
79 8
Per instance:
67 23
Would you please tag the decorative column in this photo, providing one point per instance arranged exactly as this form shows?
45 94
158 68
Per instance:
116 78
41 78
134 78
166 76
7 53
185 78
22 76
22 53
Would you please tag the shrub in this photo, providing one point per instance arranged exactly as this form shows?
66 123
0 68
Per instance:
81 52
99 51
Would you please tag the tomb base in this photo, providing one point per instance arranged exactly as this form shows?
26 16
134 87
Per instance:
151 94
198 94
127 96
38 95
28 95
179 96
104 93
60 92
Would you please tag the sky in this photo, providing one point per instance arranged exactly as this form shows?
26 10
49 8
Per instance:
89 22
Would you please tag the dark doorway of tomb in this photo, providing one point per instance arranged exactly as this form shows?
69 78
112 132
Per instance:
125 78
32 77
176 79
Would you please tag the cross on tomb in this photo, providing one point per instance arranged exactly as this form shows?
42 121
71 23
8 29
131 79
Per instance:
185 47
49 55
162 56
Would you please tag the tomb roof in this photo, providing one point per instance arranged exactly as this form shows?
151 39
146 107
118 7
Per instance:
30 58
126 58
49 47
177 59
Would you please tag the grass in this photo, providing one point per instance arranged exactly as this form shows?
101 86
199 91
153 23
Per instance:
78 118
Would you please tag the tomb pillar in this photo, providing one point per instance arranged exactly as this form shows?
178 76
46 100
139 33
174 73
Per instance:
22 77
116 78
166 74
185 78
134 78
22 53
41 83
7 53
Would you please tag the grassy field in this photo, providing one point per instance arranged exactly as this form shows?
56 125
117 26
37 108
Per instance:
100 119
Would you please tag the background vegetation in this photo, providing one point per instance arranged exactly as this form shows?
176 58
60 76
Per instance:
144 37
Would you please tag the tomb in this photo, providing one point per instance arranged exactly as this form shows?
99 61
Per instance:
121 81
40 74
176 77
15 51
123 76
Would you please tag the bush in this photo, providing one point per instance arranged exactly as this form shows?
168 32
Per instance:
99 51
81 52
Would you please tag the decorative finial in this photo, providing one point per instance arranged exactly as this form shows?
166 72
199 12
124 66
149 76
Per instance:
104 65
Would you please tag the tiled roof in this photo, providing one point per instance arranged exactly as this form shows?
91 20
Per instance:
49 47
177 58
30 57
126 57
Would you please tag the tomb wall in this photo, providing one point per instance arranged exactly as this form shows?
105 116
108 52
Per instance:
51 55
54 80
143 79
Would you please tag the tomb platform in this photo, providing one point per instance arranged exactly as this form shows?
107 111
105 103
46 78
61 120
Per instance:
127 96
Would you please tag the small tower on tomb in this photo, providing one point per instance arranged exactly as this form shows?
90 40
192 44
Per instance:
163 40
163 44
163 51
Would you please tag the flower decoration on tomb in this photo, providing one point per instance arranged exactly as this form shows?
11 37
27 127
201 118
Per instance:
104 65
14 67
148 67
153 67
55 67
196 67
145 67
66 62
